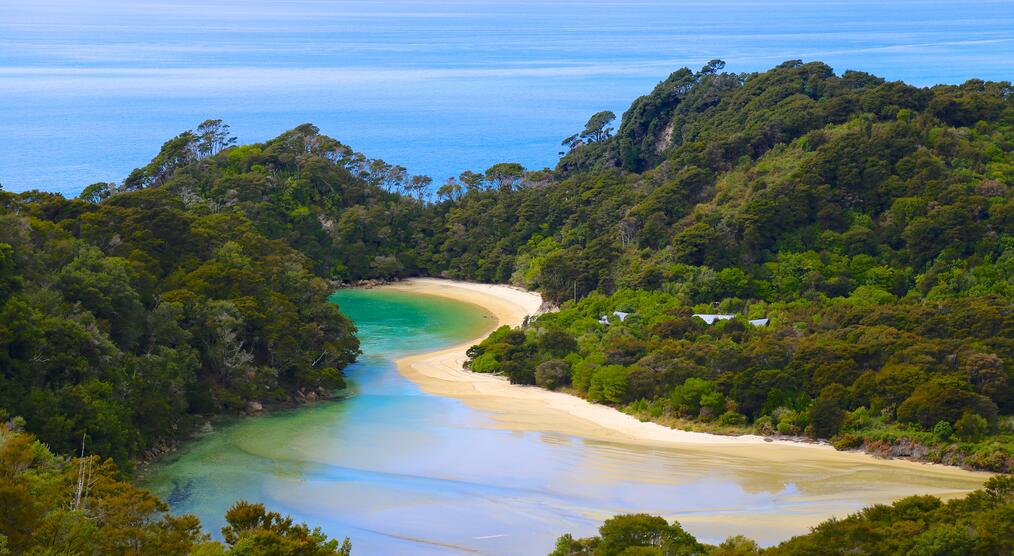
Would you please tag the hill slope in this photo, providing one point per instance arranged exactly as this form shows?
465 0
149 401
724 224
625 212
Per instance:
872 221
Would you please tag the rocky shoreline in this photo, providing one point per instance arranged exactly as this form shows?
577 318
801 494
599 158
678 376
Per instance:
362 284
951 455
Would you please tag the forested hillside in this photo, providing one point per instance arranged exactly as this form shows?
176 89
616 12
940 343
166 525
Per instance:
125 324
766 170
870 222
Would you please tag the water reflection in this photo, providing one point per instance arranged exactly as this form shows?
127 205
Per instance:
401 471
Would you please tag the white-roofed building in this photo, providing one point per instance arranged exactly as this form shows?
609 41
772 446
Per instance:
711 319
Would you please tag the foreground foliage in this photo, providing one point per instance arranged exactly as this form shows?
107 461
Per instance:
981 523
57 505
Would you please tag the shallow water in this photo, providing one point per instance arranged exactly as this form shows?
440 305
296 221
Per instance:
404 472
90 89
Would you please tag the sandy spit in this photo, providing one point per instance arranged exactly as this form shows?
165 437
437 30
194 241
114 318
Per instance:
528 408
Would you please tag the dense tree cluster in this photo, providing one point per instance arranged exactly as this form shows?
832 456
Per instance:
351 216
793 182
132 320
847 369
870 221
980 524
787 183
64 505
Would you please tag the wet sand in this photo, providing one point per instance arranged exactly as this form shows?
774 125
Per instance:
490 468
527 408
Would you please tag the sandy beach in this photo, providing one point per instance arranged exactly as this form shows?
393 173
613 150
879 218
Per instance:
528 408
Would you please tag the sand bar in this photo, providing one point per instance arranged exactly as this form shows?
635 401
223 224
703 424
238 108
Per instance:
528 408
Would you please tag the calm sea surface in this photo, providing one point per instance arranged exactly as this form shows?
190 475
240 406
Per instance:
404 472
89 89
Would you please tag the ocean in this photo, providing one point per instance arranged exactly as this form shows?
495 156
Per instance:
90 89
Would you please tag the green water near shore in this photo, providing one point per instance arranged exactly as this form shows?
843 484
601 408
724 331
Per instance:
404 472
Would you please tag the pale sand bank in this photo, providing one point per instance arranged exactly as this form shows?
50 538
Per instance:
524 408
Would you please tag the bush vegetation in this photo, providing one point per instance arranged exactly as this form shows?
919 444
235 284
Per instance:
51 504
980 524
871 221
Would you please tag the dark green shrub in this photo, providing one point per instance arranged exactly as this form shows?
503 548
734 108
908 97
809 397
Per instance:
552 374
732 419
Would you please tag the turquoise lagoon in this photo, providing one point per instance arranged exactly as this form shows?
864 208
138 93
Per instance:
404 472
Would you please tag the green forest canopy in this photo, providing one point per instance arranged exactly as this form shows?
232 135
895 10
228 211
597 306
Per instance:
871 221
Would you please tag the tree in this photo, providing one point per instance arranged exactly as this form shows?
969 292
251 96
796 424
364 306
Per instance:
253 530
712 67
561 277
736 545
10 281
472 181
634 534
506 176
103 286
572 142
213 137
557 342
175 153
826 417
596 129
552 374
419 186
518 373
609 384
450 191
54 505
383 175
934 402
987 375
943 431
944 540
695 394
971 427
97 192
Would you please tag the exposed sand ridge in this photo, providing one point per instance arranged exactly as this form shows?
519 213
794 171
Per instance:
524 408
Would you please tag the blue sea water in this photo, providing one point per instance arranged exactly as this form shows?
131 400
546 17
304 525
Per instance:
89 89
